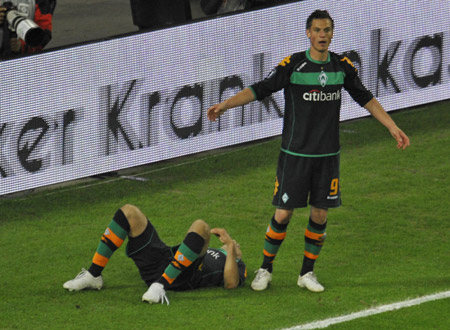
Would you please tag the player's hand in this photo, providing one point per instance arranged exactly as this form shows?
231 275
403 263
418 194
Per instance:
401 138
2 14
215 111
223 235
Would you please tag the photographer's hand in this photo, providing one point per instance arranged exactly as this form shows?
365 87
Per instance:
2 14
16 45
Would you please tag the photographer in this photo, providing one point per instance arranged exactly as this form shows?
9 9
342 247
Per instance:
217 7
151 14
38 11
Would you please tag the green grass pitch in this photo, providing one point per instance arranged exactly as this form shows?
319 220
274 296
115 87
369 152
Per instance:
387 243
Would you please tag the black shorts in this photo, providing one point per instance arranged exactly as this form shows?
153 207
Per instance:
307 179
151 256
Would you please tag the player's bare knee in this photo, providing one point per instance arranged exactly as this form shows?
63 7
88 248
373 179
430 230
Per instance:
283 216
130 211
201 228
136 219
319 215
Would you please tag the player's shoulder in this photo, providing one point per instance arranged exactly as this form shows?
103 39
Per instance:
343 61
292 59
299 56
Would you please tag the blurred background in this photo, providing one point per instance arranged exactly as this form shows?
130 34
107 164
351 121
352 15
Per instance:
76 21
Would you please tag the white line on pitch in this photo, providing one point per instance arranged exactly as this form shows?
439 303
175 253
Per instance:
372 311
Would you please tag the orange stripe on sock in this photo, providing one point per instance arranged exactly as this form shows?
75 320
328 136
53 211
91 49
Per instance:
310 255
310 234
267 254
113 238
168 279
274 235
181 258
100 260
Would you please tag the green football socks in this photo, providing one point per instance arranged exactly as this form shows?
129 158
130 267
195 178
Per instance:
187 253
314 239
275 235
112 239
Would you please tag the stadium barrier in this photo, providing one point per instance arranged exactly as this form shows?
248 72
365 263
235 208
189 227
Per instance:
101 107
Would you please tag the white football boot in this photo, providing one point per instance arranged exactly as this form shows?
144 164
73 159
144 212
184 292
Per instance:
309 281
262 280
84 280
155 294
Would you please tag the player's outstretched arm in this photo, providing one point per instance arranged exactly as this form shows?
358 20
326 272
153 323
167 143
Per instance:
377 111
242 98
231 270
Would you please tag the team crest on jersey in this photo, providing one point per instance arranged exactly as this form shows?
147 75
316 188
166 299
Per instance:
180 257
323 79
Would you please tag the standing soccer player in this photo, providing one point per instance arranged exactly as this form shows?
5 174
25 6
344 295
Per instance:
308 164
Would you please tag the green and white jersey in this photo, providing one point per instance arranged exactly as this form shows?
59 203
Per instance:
312 92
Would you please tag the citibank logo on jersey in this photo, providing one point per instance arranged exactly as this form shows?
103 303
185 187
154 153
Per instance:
319 96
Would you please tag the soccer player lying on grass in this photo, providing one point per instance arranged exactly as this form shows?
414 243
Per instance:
190 265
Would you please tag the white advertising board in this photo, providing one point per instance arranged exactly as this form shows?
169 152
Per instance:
102 107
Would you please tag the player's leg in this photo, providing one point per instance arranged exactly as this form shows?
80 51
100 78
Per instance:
128 220
314 239
202 229
325 193
275 235
291 191
193 246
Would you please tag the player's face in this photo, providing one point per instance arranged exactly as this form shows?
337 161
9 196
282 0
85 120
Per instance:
320 34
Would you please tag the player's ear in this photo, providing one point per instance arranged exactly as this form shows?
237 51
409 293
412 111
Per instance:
308 34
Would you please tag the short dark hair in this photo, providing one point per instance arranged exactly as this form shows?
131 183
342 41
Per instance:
319 14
